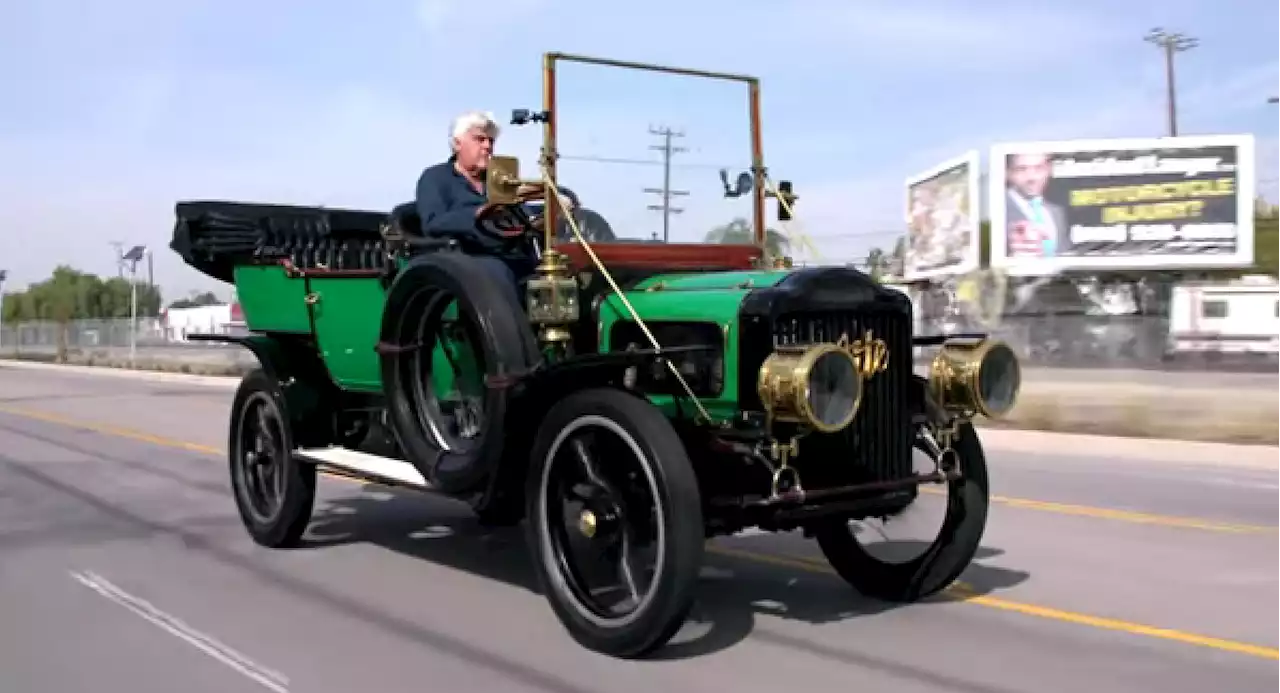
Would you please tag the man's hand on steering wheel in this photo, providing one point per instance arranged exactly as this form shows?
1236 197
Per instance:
509 224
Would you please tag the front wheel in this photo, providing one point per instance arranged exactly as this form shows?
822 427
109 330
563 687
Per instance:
274 492
951 551
615 522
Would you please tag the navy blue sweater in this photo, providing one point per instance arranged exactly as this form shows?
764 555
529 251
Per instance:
447 205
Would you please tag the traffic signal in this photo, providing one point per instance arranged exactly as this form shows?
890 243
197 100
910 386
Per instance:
786 200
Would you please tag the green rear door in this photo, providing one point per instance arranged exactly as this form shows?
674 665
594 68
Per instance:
348 316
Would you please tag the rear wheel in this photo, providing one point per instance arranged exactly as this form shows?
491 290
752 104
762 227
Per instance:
615 521
274 493
947 555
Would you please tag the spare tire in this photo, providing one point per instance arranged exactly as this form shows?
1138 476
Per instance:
417 327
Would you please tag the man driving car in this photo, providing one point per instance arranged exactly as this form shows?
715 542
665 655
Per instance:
452 202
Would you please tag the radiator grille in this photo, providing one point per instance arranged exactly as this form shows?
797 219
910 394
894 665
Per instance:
878 444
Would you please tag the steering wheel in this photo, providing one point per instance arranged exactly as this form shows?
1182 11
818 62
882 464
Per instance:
512 221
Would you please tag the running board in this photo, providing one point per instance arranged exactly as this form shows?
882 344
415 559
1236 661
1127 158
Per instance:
374 467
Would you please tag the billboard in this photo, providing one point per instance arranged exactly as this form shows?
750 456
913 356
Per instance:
942 220
1117 204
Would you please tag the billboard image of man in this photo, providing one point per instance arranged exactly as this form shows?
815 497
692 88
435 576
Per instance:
1034 226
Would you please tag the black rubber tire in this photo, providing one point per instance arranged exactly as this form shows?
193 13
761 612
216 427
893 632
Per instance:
666 460
509 347
287 525
946 558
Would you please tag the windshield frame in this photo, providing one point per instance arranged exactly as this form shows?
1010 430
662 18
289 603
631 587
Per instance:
550 154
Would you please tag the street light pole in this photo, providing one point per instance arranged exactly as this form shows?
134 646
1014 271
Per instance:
1171 43
133 314
132 257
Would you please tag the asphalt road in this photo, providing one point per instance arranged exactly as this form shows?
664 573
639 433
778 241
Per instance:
123 567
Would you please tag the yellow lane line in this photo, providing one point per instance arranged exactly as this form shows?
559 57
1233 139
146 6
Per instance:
1122 515
958 590
963 592
113 431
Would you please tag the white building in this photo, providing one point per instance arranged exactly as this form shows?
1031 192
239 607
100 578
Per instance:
223 318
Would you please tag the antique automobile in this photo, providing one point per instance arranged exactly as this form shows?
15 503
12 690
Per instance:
646 397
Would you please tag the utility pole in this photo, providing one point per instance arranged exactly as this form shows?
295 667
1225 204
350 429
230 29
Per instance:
666 192
1171 43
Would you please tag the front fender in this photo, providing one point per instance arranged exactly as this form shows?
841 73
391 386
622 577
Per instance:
534 394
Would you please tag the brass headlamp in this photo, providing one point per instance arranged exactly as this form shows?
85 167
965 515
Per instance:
976 375
818 386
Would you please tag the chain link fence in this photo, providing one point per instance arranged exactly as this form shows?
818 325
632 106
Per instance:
1106 374
144 343
1063 340
1057 322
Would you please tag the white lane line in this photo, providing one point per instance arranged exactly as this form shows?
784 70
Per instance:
271 680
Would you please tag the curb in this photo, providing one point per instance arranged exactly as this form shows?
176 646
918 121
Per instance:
218 381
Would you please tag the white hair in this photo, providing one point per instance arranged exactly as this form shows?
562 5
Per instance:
472 119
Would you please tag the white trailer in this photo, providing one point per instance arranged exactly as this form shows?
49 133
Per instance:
1240 318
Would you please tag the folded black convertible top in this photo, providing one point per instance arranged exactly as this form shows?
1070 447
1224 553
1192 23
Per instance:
214 236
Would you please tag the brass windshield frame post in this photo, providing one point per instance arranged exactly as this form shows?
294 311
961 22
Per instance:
757 163
550 154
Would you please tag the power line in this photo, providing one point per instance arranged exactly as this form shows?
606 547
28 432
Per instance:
1171 43
665 191
649 162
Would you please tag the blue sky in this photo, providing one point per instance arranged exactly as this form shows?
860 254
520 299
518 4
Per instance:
114 110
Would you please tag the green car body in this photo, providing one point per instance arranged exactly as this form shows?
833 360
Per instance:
344 317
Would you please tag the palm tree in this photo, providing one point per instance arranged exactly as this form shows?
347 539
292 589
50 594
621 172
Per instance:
739 230
879 263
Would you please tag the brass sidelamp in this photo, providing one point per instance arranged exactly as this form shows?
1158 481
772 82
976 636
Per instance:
551 295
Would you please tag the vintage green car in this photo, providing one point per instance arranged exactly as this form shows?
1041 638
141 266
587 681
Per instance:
647 397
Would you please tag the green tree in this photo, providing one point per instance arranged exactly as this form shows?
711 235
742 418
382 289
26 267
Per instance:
900 248
877 263
738 231
984 243
70 294
207 298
